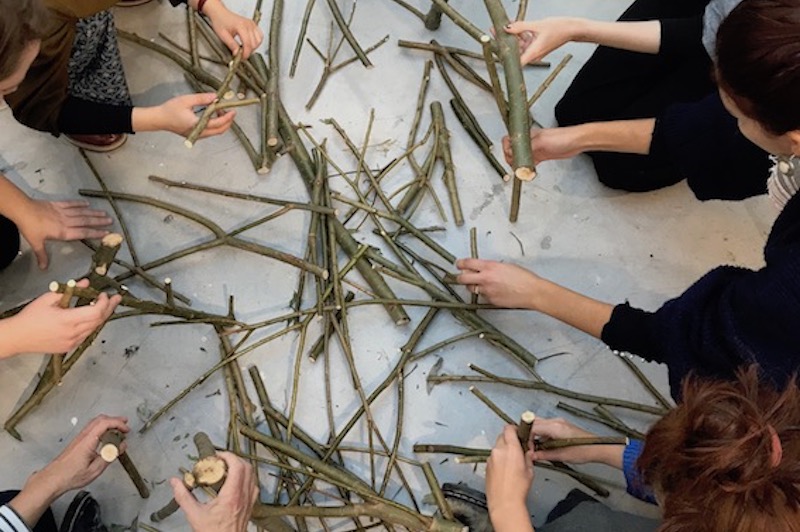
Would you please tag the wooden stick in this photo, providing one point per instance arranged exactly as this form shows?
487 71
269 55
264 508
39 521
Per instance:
221 92
66 299
524 429
110 443
447 159
546 83
348 35
301 37
549 445
273 138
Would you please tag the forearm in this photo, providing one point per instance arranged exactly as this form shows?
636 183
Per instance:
644 37
582 312
35 498
622 136
14 204
9 343
511 520
147 119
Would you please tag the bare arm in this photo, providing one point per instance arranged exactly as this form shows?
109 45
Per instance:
540 37
508 285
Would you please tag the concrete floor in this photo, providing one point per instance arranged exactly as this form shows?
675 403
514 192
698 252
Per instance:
613 246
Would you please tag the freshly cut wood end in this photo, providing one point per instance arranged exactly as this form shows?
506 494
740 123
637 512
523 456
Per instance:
528 417
506 178
54 286
71 283
272 142
325 274
109 452
403 321
112 240
523 173
188 143
189 481
229 95
209 471
485 38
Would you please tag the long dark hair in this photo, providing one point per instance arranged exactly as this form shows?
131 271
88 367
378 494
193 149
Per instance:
21 22
758 62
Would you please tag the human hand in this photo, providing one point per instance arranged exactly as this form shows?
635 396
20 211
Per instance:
503 285
60 220
231 509
79 463
537 38
559 429
509 475
178 116
44 327
549 144
228 26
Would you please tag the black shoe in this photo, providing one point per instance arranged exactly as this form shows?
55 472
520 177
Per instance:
468 506
83 515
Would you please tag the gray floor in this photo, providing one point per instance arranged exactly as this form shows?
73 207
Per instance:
644 248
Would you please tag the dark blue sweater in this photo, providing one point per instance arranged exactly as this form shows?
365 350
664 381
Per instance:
730 317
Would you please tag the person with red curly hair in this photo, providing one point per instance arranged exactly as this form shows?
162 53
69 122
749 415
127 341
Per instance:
726 459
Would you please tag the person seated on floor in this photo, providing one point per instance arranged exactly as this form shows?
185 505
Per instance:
727 458
80 464
731 316
62 71
644 106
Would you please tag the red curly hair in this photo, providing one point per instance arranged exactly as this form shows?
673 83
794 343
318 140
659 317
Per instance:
712 458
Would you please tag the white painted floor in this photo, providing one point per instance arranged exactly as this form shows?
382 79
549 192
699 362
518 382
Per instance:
644 248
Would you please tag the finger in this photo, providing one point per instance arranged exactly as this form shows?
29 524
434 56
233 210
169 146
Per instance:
197 100
83 283
82 210
470 278
529 461
476 265
185 500
80 233
100 424
531 54
71 204
236 473
40 252
227 38
515 28
247 43
511 438
219 125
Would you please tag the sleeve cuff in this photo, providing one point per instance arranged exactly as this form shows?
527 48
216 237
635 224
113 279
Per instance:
629 330
635 483
10 521
682 37
83 117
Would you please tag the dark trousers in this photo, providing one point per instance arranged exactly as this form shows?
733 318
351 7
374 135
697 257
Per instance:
621 85
9 242
47 523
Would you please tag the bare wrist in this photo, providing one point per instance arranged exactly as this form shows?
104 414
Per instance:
146 119
582 30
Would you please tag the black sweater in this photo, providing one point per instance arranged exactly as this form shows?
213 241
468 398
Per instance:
731 317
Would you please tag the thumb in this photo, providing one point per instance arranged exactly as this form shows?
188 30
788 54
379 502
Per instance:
40 251
227 38
185 500
515 28
205 98
529 458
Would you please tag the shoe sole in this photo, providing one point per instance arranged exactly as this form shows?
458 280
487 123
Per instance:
132 3
94 147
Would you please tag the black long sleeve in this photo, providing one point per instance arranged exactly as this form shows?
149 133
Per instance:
83 117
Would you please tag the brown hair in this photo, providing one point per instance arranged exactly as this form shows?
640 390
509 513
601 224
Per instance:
21 21
711 458
758 62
